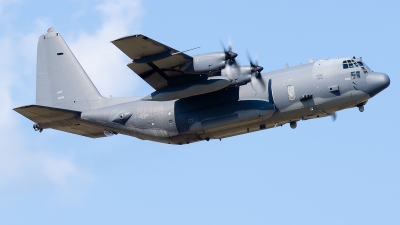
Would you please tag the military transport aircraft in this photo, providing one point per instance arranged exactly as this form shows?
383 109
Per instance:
202 97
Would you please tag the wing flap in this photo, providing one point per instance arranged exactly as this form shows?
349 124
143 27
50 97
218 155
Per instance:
150 75
172 61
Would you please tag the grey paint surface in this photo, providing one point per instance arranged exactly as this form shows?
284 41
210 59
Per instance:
191 104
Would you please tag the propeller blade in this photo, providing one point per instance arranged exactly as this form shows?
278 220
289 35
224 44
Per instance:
223 46
262 83
229 72
250 59
235 63
229 54
257 83
254 64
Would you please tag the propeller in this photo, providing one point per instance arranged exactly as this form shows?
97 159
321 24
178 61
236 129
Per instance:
229 54
230 60
257 81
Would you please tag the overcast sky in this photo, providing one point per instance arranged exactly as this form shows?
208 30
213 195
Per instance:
323 172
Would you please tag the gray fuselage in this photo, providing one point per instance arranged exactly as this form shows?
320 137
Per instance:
313 90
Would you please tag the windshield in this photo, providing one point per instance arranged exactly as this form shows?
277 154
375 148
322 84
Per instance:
356 63
350 64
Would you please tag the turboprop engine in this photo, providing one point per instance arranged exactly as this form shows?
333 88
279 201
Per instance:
207 63
241 75
211 62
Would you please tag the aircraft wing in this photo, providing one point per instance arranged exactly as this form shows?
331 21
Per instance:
59 119
154 62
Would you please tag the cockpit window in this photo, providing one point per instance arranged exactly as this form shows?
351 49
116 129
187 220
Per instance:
351 64
355 64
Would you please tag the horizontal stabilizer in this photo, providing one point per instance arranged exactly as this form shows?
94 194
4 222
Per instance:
59 119
43 114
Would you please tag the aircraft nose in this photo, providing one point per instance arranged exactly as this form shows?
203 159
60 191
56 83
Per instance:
377 82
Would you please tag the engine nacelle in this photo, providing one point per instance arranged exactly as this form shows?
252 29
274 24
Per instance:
205 63
239 76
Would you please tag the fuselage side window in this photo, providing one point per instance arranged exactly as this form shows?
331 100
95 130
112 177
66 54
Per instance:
291 93
358 74
353 75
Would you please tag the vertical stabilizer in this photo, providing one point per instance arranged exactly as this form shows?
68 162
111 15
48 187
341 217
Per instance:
61 81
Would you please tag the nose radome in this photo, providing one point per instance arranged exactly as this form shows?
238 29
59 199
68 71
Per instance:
377 82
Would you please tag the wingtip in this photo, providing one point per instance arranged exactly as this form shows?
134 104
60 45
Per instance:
24 106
